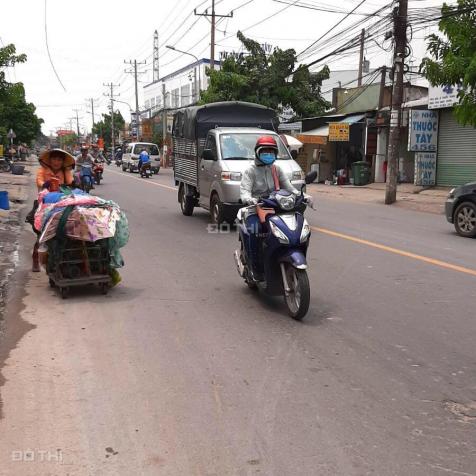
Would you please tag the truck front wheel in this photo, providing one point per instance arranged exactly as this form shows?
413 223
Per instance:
187 202
216 210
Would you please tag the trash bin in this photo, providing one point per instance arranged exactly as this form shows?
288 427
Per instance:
361 172
18 169
4 202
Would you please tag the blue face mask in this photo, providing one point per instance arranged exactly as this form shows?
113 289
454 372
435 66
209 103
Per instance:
267 158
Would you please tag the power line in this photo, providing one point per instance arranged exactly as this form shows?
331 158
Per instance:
48 50
332 28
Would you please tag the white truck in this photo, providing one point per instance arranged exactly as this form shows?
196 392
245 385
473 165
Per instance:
213 146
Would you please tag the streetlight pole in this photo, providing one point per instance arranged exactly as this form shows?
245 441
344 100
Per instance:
197 90
131 111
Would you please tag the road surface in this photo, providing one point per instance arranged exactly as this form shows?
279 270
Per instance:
181 370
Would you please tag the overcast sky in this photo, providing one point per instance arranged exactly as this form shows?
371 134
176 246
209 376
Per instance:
89 41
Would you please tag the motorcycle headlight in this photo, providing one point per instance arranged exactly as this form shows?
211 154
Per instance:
286 202
305 232
278 233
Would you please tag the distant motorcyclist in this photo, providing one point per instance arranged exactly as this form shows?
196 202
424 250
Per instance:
85 158
118 154
144 158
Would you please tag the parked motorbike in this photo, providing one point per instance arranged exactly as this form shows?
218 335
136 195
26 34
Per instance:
98 172
86 177
5 164
279 267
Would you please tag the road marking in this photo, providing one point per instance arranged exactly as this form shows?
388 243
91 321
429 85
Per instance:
389 249
143 180
372 244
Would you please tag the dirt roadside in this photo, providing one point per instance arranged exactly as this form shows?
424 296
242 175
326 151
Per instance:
408 196
12 222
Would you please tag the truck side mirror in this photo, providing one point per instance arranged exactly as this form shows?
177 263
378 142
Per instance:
208 154
310 177
294 154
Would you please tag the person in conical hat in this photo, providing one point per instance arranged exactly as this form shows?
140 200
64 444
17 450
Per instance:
55 164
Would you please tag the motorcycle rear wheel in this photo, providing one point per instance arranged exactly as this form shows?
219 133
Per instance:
297 300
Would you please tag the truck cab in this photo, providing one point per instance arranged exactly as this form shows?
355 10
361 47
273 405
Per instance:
228 152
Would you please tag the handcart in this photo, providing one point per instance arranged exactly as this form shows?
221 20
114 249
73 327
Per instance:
78 263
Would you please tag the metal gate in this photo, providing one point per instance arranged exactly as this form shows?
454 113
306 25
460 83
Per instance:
456 162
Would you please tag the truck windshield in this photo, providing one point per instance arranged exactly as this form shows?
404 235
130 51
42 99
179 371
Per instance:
242 146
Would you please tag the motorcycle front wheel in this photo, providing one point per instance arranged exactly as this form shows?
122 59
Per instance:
297 299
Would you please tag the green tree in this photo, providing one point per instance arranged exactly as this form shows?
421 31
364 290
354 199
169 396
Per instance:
103 127
8 58
453 57
270 80
69 140
15 112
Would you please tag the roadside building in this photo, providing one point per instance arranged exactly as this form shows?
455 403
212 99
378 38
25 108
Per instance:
456 154
356 130
180 88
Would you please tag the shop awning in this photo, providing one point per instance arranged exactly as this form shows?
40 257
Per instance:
352 119
320 134
293 143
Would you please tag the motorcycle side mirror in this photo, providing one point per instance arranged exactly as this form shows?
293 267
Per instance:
310 177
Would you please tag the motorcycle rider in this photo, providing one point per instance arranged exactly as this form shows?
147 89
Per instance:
260 179
84 159
118 154
144 158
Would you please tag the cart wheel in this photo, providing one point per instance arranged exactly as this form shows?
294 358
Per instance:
64 292
104 288
52 283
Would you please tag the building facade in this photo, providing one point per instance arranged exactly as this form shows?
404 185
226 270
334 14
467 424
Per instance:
180 88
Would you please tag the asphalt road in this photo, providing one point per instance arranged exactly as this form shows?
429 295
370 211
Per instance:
181 370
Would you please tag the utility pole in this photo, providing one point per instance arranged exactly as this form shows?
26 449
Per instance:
71 119
91 104
400 29
111 95
135 73
361 56
213 22
155 58
77 121
164 127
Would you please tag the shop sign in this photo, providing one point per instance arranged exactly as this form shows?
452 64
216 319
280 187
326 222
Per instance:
442 96
312 139
425 168
339 132
423 131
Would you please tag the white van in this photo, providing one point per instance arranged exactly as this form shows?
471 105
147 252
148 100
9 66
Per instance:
130 158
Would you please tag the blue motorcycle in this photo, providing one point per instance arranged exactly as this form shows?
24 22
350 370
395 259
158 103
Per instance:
276 261
87 177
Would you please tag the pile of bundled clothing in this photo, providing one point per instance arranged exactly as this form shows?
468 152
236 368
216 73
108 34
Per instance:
76 215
